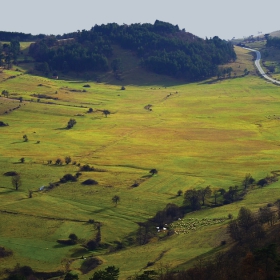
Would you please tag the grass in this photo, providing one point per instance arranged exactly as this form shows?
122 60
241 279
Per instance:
198 134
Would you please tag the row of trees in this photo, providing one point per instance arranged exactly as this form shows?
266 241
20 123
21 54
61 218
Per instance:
162 47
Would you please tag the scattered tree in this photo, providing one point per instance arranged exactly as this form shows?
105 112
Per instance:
30 193
116 199
205 193
16 181
110 273
5 93
25 138
192 198
73 237
68 160
153 172
179 193
106 113
70 276
248 180
22 160
71 123
58 161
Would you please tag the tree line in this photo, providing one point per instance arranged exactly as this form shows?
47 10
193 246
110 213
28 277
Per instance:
161 47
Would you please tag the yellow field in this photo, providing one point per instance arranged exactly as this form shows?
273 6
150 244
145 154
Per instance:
199 134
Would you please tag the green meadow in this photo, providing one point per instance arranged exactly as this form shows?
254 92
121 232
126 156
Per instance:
195 135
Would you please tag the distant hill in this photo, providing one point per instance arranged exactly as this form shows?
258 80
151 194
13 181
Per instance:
160 47
275 33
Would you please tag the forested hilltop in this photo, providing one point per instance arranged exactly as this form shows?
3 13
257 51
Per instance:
161 48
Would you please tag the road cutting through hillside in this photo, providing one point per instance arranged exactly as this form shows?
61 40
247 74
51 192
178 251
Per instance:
257 63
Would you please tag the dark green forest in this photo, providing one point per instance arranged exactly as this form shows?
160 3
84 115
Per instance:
161 48
273 42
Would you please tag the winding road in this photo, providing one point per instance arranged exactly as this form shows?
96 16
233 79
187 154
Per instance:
257 63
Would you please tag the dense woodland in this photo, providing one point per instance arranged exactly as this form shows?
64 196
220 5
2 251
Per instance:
273 42
23 37
161 47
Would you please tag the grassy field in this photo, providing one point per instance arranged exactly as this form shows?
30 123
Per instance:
198 134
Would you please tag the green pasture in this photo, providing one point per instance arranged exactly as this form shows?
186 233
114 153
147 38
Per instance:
195 135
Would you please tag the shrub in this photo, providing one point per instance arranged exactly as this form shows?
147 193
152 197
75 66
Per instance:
68 177
122 88
5 253
86 167
87 86
71 123
3 124
92 245
90 182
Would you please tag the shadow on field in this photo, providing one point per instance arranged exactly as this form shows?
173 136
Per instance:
61 128
101 210
79 252
6 190
204 256
174 197
60 246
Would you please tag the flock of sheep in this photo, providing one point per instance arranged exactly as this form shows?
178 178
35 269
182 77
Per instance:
184 226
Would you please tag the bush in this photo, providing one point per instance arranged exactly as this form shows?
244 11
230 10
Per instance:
92 245
5 253
3 124
68 177
86 167
71 123
90 182
87 86
122 88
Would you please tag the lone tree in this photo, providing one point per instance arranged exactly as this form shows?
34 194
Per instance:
153 172
25 138
58 161
68 160
179 193
73 237
16 181
71 123
106 113
116 199
22 160
205 193
247 181
192 199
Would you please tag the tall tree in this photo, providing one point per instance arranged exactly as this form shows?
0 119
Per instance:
16 181
192 199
